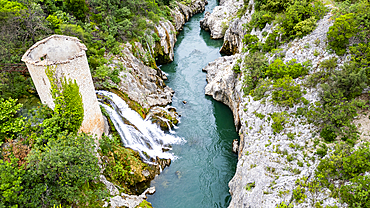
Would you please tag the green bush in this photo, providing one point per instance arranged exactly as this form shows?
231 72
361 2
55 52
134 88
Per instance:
261 18
243 9
338 106
304 27
344 164
327 134
78 8
299 194
343 28
236 67
10 123
278 69
124 166
68 110
286 92
11 181
283 205
272 41
260 90
279 119
114 76
272 6
255 65
61 172
357 194
322 150
252 43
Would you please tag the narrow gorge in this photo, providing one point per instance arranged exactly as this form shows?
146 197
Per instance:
203 103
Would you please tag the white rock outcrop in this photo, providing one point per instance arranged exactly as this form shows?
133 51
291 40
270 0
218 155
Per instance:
218 21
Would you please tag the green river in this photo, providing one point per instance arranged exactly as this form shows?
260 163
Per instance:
200 176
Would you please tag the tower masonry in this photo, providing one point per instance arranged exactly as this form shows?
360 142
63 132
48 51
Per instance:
67 56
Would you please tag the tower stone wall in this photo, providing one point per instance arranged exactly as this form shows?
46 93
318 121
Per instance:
67 55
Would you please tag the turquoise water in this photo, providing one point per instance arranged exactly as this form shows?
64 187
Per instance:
200 176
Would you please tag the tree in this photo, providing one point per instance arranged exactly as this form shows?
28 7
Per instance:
78 8
58 172
10 124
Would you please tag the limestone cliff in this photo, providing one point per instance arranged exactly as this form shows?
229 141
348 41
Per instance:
269 163
217 22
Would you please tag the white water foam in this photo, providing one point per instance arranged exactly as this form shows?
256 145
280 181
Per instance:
146 138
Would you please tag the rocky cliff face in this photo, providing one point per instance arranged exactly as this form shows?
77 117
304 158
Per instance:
223 85
217 22
269 162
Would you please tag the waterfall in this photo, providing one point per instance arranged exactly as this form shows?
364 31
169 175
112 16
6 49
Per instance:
142 136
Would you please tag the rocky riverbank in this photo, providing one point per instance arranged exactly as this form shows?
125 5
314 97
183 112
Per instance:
270 163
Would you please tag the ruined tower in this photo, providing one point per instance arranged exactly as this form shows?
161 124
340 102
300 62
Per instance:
67 55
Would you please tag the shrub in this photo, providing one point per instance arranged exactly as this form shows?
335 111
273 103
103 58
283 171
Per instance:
283 205
327 134
11 180
114 76
236 67
252 42
343 28
255 65
344 163
121 162
351 80
299 194
304 27
261 18
356 194
322 150
286 92
60 171
79 8
272 41
10 123
297 12
273 6
262 87
279 120
278 69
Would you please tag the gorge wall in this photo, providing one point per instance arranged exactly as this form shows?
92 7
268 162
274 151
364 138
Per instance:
269 163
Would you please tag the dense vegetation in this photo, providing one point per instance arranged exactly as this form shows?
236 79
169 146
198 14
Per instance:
44 161
101 25
48 159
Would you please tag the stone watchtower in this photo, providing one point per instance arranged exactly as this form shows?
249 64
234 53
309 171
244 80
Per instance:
67 55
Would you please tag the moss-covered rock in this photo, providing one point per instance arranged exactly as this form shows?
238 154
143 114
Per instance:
165 117
124 167
144 204
132 104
